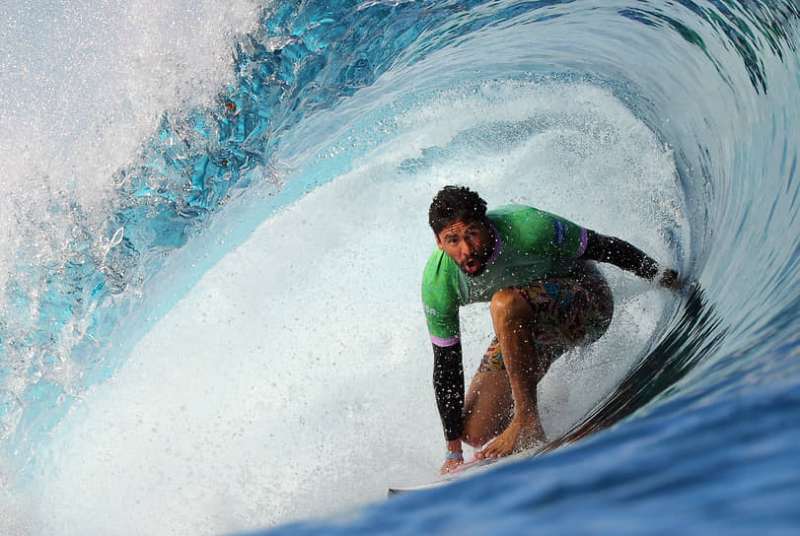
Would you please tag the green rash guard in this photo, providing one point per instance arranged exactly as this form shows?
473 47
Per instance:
529 244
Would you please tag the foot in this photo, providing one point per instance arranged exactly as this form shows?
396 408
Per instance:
517 437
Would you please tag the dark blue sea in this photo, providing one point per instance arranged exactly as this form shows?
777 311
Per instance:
212 234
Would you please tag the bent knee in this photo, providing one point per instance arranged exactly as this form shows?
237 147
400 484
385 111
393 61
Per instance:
508 304
477 434
476 438
475 442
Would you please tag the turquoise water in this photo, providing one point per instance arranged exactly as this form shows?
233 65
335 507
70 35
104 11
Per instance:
214 229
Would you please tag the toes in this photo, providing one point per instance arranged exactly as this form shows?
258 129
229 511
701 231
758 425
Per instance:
496 449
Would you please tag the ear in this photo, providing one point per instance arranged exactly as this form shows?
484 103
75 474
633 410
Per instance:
438 241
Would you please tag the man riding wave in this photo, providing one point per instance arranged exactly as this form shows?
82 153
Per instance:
546 296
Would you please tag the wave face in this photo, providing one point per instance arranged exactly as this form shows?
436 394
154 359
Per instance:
213 230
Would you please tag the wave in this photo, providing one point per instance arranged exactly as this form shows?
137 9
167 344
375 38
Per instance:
130 267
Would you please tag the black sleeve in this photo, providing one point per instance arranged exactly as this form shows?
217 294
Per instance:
619 253
448 384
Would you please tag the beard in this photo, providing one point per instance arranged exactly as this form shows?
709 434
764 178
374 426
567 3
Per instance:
474 265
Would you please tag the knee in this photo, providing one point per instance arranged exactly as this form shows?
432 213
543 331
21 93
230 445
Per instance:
508 305
476 438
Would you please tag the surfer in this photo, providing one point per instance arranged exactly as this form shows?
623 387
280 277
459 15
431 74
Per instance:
546 296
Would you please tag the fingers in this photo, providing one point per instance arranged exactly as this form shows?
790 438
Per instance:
450 465
669 279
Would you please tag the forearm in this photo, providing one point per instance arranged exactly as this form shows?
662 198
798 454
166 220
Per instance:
448 384
621 254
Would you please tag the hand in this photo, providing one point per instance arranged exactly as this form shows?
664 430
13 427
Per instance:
669 279
450 465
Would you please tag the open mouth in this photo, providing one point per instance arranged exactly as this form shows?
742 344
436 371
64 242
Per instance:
472 265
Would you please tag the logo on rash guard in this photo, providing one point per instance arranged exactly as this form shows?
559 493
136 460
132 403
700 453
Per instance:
430 310
561 231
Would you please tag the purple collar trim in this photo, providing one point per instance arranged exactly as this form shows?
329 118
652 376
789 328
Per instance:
498 245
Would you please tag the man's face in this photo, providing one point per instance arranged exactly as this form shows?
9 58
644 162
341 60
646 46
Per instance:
469 244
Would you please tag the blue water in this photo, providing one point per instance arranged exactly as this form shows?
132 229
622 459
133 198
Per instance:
213 229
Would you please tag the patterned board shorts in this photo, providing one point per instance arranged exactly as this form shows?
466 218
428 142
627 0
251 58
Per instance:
568 311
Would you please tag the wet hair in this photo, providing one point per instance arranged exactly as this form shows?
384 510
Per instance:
454 203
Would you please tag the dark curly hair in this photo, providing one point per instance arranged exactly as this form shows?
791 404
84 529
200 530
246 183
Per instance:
454 203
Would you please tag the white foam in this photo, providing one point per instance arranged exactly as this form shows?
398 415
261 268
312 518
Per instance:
82 85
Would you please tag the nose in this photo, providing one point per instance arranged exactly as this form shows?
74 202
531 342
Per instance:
467 248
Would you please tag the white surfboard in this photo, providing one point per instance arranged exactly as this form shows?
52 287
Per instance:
469 468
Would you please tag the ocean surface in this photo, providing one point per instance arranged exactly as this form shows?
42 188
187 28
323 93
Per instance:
213 229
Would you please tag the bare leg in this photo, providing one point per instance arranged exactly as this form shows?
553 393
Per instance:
488 407
513 324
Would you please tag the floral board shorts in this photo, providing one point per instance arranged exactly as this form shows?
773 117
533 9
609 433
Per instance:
568 311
